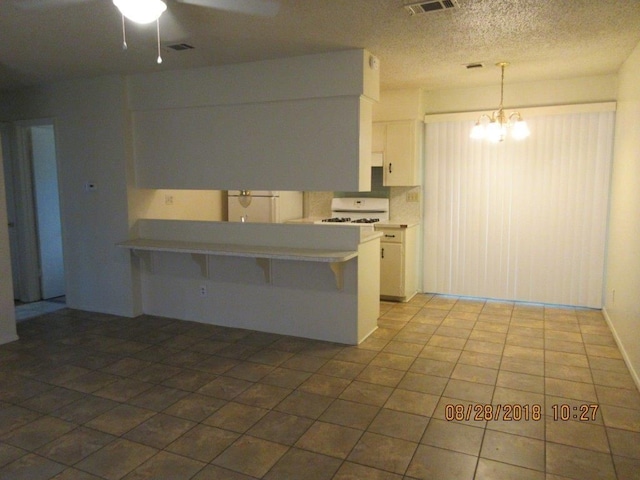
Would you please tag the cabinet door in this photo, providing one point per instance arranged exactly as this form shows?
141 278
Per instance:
400 158
391 269
402 154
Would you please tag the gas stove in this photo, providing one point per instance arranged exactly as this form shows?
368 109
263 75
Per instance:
358 210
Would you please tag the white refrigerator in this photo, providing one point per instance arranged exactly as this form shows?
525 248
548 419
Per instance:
265 206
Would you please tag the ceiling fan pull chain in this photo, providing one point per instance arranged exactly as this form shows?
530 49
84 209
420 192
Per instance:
124 35
158 32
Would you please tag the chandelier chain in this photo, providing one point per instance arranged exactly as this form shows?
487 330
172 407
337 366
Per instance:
502 65
498 122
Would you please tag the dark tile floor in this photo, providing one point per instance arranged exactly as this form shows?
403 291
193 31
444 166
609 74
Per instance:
90 396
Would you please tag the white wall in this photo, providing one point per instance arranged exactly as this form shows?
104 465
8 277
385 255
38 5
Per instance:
255 146
602 88
622 308
285 296
90 126
400 104
7 311
256 125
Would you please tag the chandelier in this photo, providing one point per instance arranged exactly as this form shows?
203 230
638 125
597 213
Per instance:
494 127
142 12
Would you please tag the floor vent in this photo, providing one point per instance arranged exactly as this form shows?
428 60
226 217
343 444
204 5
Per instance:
426 6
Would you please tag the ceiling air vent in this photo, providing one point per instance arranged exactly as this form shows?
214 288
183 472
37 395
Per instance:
178 47
426 6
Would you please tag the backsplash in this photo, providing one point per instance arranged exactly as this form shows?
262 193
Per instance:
400 209
317 204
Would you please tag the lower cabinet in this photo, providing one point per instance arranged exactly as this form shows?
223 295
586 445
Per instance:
391 270
398 263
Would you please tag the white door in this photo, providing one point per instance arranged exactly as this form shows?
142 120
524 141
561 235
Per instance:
47 203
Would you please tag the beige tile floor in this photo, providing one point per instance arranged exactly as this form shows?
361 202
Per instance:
89 396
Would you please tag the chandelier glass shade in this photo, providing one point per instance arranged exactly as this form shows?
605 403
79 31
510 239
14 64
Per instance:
141 11
495 126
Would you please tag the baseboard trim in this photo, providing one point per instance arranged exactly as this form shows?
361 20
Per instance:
7 339
627 361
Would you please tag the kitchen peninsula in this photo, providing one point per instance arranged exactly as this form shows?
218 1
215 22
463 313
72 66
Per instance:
213 128
300 280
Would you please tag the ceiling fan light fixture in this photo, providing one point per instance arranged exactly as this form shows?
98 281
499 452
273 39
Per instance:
141 11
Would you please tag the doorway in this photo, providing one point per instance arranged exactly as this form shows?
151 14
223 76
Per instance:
33 210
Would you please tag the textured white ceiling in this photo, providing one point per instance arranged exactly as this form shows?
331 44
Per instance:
542 39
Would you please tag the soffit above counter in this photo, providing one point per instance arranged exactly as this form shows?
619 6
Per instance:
335 74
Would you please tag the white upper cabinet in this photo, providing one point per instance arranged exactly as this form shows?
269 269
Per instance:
399 143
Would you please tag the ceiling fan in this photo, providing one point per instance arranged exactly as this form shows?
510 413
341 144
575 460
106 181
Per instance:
147 11
265 8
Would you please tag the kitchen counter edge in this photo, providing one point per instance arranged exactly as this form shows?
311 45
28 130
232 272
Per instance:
396 224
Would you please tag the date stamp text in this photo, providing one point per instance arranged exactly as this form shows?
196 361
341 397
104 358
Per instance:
517 412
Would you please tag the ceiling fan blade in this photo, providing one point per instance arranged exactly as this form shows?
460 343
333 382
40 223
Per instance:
264 8
36 4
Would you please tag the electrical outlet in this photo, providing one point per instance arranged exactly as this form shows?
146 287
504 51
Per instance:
203 290
413 196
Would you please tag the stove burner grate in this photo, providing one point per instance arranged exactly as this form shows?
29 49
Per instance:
349 220
337 220
366 220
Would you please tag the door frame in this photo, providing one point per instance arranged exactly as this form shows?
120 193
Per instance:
7 136
24 207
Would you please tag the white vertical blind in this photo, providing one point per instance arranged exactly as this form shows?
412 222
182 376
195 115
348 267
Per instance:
520 220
